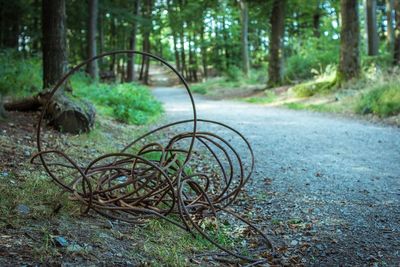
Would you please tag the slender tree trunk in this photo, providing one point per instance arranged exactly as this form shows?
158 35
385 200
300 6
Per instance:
101 40
203 53
276 40
54 41
349 61
396 54
183 55
372 33
245 36
132 43
317 21
389 26
92 67
113 38
226 43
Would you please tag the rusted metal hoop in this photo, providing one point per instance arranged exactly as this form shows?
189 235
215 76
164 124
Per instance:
157 187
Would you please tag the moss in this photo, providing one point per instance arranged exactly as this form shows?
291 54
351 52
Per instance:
313 87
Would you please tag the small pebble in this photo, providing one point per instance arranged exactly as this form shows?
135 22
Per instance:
23 209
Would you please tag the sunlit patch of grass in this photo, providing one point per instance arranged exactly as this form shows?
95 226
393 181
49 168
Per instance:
268 97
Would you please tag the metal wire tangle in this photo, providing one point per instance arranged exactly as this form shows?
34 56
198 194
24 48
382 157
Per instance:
159 180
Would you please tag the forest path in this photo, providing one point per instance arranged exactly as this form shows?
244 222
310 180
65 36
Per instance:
327 188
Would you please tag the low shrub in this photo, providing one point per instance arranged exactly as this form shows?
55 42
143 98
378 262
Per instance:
382 100
20 76
128 102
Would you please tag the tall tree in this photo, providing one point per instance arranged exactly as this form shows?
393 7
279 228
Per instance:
396 54
389 25
54 42
63 113
349 60
277 22
132 42
372 33
245 35
92 67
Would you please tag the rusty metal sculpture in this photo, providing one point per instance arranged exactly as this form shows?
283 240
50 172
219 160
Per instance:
159 180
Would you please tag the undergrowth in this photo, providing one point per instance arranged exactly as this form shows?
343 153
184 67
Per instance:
128 102
382 100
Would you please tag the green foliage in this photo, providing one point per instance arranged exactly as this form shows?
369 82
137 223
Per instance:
19 76
312 55
128 102
382 100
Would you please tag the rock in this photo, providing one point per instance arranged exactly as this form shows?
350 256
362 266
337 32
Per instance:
60 241
23 209
74 248
4 174
27 153
294 243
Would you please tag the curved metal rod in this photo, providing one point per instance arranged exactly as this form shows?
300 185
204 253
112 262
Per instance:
160 179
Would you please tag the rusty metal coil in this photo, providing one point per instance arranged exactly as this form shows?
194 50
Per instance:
132 186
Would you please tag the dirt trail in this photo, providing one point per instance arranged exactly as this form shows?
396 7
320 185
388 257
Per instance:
326 188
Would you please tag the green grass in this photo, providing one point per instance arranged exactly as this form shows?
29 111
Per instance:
382 100
128 102
268 97
232 79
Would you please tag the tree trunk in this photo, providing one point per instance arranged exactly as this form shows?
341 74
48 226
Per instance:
317 21
245 36
276 40
389 27
54 41
203 53
372 33
92 67
64 113
396 54
101 40
349 61
132 43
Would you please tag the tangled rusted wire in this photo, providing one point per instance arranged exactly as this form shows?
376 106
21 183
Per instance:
162 180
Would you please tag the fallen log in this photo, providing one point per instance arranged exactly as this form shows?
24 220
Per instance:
64 113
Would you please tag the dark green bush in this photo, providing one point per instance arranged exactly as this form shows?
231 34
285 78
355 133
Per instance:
19 76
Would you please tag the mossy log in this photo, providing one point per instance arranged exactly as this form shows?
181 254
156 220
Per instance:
64 113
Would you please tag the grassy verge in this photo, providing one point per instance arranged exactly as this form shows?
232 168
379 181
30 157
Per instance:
233 83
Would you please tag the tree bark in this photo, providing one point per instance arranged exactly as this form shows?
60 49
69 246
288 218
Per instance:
396 54
276 39
372 33
132 43
245 36
389 26
349 61
203 53
63 113
92 67
317 21
54 42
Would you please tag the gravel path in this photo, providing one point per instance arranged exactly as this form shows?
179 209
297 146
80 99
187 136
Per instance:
328 187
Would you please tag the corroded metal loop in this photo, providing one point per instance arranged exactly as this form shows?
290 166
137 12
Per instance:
157 180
